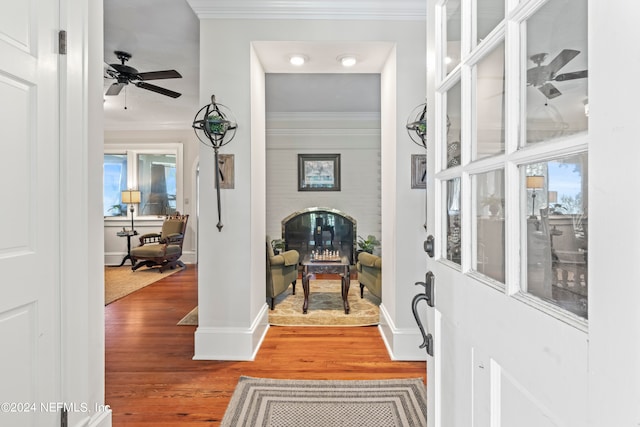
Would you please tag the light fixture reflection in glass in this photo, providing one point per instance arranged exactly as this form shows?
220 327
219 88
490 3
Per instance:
534 182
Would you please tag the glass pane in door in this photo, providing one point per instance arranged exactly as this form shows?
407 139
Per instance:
490 104
453 19
490 243
556 95
490 13
452 217
556 220
454 125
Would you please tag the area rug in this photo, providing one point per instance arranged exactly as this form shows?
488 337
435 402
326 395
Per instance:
121 281
303 403
325 307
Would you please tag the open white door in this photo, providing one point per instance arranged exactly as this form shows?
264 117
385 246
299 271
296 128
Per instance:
508 209
29 251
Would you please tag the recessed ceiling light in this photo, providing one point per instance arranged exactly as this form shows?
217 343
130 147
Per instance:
347 60
297 60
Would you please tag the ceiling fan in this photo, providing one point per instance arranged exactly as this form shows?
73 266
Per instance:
540 76
125 74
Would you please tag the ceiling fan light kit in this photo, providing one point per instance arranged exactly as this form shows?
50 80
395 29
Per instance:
125 74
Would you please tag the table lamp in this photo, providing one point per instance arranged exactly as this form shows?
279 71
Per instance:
131 197
534 182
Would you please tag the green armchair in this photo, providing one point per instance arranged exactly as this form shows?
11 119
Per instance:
282 270
370 273
163 249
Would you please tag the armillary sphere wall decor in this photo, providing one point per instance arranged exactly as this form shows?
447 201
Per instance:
417 125
215 127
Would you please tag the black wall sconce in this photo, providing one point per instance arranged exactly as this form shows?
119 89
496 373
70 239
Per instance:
215 127
417 125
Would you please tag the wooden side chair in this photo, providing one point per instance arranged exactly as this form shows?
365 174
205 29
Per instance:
162 249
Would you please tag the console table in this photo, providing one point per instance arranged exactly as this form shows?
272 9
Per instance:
340 266
128 234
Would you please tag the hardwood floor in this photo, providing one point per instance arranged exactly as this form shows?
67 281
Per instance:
151 379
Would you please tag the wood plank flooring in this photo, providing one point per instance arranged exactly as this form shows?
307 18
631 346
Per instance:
151 379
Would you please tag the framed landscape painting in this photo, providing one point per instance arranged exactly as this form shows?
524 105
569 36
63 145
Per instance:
318 172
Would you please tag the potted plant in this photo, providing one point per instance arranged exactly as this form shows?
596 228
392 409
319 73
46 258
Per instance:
278 245
368 244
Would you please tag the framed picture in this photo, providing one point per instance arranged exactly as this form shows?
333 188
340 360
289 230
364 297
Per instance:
318 172
418 171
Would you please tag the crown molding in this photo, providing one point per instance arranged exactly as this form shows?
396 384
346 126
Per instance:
397 10
324 116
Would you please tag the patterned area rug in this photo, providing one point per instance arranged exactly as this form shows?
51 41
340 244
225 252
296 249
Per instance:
121 281
325 307
302 403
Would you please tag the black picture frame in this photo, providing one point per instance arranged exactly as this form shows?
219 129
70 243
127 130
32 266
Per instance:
318 172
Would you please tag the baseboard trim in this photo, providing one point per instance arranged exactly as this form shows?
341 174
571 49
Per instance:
232 343
402 343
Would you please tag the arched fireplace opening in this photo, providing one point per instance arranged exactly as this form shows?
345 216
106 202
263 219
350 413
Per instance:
319 229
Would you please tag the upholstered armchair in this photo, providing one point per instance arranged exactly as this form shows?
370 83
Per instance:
163 249
282 270
370 273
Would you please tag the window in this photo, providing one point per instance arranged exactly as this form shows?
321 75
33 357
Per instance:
556 224
511 158
154 170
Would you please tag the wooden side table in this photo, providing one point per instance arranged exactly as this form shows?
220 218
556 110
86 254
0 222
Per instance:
128 234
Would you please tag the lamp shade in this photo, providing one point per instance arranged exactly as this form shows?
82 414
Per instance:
553 197
130 196
535 181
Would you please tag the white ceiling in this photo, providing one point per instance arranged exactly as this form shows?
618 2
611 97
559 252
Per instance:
161 35
164 34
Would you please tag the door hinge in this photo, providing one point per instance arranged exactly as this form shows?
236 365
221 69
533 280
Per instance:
62 42
64 421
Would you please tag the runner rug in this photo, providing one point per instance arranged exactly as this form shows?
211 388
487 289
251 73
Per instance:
301 403
325 307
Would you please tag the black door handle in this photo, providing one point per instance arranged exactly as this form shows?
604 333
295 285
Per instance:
428 296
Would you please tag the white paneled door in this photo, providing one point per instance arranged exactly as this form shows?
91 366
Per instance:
29 253
508 210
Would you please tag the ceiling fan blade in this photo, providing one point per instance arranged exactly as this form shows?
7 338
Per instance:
561 60
549 90
571 76
115 89
157 75
158 89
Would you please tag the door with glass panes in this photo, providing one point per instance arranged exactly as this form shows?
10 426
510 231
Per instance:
508 207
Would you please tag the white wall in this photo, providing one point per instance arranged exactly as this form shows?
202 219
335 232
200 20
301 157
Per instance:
115 248
229 319
356 137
